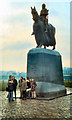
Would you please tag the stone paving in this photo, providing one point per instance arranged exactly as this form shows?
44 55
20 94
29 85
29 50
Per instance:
31 108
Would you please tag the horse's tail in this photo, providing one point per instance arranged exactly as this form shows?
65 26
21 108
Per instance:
52 31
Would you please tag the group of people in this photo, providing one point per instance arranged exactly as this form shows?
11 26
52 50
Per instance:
27 88
12 84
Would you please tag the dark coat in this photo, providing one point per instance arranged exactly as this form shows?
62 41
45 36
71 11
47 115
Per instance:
15 83
20 82
10 85
29 85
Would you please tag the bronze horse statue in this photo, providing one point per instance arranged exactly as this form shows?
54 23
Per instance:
42 37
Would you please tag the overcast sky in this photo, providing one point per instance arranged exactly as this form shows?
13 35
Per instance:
16 28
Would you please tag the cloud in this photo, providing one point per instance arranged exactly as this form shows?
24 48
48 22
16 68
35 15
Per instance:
15 32
20 18
14 60
19 45
66 63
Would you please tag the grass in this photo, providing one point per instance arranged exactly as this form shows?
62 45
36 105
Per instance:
3 86
68 84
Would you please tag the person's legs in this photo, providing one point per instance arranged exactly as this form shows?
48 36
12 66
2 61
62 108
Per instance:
30 94
27 94
34 94
9 96
12 95
20 92
15 93
24 94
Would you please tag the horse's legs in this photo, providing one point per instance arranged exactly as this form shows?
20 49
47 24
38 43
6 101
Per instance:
38 46
45 47
53 47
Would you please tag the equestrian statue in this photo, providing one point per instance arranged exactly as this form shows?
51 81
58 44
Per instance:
43 31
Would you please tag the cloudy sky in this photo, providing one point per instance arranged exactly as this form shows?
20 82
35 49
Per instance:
16 28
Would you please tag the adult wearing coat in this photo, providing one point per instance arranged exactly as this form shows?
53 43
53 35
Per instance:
23 88
15 85
10 89
20 85
28 87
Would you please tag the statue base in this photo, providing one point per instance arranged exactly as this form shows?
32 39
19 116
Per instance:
45 66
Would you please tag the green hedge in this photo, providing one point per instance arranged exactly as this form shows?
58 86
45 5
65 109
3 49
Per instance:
68 84
3 86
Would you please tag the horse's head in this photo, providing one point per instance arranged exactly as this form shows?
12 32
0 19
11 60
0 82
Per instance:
34 14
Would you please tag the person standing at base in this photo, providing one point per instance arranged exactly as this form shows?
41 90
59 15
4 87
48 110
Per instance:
10 89
15 85
28 88
33 90
20 84
23 87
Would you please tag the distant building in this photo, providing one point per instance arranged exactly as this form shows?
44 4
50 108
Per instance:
68 78
67 71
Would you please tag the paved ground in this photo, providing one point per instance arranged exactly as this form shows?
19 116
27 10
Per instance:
31 108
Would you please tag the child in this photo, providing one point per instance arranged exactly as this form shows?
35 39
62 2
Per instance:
33 86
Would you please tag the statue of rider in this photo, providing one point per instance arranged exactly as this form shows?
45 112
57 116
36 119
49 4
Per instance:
44 16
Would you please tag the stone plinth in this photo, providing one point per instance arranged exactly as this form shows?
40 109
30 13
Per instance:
45 66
